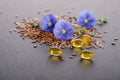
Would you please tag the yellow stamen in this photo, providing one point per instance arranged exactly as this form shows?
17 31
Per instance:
63 31
85 21
49 24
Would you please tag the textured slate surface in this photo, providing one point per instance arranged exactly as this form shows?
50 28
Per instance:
20 61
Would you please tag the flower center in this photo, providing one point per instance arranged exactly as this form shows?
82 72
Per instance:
63 31
86 21
49 24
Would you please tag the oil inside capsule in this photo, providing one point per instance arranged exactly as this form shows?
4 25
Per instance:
85 54
77 43
87 40
55 51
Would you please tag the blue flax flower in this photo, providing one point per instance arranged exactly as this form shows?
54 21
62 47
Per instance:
63 30
48 22
86 19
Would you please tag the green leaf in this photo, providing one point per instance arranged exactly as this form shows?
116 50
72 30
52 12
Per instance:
34 25
102 20
82 30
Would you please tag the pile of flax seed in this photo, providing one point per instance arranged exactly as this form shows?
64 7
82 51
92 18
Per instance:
26 30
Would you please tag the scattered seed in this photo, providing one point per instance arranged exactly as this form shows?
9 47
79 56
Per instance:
105 31
47 10
103 41
69 12
101 46
113 43
73 54
18 32
14 30
94 46
69 19
116 39
10 31
14 22
61 58
88 47
40 43
35 46
39 12
21 35
34 41
16 16
99 32
75 18
71 57
23 38
98 35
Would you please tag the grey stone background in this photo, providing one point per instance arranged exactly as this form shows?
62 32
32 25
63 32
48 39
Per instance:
20 61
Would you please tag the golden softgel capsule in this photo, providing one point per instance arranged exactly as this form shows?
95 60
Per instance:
85 41
85 54
77 43
55 51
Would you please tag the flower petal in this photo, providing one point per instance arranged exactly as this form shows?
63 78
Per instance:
48 19
86 15
63 25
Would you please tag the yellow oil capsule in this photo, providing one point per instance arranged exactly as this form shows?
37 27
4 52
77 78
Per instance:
86 40
55 51
85 54
77 43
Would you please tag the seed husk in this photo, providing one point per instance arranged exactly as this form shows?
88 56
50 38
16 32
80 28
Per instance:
105 31
69 12
23 38
71 57
18 32
14 30
73 54
101 46
116 39
39 12
34 41
21 35
113 43
35 46
10 31
103 41
61 58
47 10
